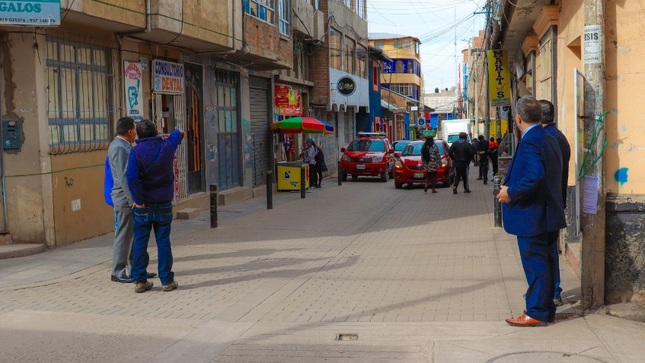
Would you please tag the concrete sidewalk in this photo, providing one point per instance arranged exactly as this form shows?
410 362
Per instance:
355 273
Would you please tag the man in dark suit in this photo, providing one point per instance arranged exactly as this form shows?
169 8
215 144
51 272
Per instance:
548 117
533 210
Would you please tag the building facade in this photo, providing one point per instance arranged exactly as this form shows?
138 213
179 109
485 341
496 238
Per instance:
402 74
556 50
204 67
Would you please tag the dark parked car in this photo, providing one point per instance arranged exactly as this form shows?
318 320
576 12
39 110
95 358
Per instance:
369 154
409 169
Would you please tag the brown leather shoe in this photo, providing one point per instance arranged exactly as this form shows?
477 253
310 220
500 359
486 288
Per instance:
525 320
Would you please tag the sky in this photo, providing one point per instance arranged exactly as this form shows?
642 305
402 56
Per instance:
438 24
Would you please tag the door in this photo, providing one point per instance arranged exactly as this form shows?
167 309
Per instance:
259 96
228 126
194 128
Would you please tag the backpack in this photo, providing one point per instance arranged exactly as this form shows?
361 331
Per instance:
108 183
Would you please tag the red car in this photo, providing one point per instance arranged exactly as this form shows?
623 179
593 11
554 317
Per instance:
369 154
409 169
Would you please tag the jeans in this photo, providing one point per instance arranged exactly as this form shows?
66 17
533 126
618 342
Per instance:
159 217
461 173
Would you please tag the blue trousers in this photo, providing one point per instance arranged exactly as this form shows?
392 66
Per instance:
159 218
540 264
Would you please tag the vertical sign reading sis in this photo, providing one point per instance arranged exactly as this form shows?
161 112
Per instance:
499 79
133 94
593 44
31 12
168 77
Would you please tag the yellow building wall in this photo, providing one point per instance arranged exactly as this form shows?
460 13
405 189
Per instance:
570 27
624 126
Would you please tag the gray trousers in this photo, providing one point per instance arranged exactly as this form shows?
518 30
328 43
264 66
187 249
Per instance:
123 236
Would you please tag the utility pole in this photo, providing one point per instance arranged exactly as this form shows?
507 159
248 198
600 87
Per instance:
593 224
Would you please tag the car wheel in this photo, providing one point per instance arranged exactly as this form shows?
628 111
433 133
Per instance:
354 177
398 185
384 176
343 176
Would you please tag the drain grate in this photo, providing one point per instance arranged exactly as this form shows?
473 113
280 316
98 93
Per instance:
346 337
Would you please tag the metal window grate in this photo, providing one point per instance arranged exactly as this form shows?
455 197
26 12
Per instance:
78 74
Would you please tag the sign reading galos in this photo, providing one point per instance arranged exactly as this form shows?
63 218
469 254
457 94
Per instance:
32 12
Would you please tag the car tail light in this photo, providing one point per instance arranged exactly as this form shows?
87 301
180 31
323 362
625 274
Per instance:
398 165
444 163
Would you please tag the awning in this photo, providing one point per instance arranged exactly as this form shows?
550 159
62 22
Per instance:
389 106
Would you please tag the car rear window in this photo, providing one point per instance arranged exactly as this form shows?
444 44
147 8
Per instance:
440 146
367 145
400 145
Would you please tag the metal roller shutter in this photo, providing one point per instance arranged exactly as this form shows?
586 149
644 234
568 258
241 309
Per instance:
259 102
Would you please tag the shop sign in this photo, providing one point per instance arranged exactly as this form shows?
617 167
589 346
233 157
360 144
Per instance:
133 94
499 79
32 12
346 86
168 77
287 100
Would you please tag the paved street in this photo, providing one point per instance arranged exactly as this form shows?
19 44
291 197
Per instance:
361 272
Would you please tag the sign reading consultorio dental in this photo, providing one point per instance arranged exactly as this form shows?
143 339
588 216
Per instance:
32 12
168 77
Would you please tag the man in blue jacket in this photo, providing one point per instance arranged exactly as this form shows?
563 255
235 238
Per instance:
533 210
151 179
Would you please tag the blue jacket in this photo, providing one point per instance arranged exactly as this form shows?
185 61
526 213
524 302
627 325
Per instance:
534 186
151 174
565 150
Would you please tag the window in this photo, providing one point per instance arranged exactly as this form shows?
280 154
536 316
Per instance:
404 89
79 97
283 12
361 61
350 54
360 9
407 44
398 67
261 9
397 43
348 3
378 44
335 49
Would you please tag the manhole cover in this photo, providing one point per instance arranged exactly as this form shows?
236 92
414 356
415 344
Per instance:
544 357
346 336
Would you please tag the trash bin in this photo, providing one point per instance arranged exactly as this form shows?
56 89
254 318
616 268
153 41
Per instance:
288 175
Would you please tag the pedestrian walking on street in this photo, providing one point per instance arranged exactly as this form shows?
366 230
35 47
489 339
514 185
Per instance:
431 160
482 152
533 210
151 179
321 166
493 147
309 157
461 152
548 122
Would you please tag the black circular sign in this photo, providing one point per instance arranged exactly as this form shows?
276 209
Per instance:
346 86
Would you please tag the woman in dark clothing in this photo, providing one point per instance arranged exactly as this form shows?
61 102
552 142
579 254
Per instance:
431 160
320 165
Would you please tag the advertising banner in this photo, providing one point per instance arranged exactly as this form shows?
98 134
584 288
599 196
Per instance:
499 79
133 94
287 100
168 77
32 12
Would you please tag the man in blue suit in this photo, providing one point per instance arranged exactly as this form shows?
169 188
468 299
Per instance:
548 122
533 210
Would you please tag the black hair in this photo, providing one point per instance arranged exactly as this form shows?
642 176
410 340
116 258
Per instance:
548 111
124 125
146 128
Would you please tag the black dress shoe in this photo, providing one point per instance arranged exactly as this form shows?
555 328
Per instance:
151 275
122 279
